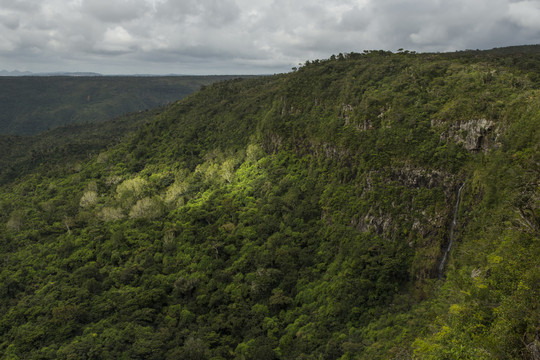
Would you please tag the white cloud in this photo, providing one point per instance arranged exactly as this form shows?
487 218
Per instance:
116 40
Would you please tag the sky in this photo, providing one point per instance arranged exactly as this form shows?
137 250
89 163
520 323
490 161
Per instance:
245 36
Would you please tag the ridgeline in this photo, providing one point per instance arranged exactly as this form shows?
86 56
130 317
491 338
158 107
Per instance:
296 216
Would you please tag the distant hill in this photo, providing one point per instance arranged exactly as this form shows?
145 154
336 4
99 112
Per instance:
32 104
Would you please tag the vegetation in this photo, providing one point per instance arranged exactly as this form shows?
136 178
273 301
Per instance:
52 151
298 216
32 104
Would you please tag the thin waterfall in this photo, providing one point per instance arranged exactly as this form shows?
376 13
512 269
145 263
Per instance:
451 236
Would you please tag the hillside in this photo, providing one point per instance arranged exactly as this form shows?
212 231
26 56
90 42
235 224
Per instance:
32 104
54 150
298 216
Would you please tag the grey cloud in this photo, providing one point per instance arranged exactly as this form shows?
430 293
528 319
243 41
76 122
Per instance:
177 10
221 13
113 11
245 35
525 14
10 22
210 12
20 5
357 19
427 24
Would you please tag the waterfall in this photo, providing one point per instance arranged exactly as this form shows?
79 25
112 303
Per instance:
451 236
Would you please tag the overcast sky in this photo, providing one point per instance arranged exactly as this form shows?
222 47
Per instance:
245 36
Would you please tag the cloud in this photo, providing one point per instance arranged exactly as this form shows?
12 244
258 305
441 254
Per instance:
20 5
9 22
525 14
117 40
114 11
213 13
248 36
427 25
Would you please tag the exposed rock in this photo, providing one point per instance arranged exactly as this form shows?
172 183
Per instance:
475 135
365 125
381 225
426 224
414 177
475 273
326 149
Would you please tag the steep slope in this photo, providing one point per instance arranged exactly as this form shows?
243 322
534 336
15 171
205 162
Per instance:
296 216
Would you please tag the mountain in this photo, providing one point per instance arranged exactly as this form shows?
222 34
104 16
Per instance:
368 206
32 104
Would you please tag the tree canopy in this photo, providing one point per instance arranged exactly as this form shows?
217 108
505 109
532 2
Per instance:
294 216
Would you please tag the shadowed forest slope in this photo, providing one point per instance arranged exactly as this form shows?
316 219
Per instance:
32 104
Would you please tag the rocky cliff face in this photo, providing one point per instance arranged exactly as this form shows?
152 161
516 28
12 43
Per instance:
475 135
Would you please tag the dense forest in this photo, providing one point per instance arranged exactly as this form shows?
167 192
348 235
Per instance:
77 141
33 104
306 215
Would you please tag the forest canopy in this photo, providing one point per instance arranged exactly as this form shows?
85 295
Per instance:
295 216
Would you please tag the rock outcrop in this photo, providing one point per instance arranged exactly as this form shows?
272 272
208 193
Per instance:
475 135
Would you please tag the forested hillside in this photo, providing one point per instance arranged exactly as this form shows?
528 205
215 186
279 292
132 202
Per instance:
297 216
52 151
32 104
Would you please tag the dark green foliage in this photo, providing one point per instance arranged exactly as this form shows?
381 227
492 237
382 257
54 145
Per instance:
32 104
299 216
65 147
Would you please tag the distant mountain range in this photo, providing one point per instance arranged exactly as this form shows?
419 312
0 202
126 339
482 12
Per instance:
58 73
